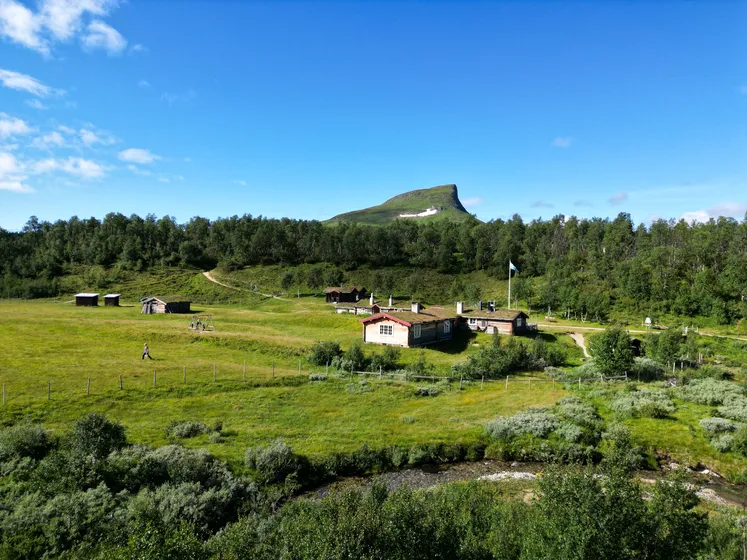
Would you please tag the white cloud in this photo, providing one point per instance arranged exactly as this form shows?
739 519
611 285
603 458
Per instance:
143 84
11 126
472 202
163 180
11 174
66 129
619 198
240 182
137 171
79 167
21 26
36 104
46 142
138 155
102 36
24 82
178 178
726 209
59 20
562 142
89 138
541 204
138 48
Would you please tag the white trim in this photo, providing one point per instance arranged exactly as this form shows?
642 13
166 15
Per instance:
417 330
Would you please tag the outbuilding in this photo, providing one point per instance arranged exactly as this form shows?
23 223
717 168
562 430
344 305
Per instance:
86 300
492 321
165 305
350 294
111 300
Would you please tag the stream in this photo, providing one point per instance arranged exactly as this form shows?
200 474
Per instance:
709 486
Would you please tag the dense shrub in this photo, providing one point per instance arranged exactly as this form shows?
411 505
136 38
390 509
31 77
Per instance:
539 424
709 391
646 369
97 436
23 440
186 429
644 404
274 463
734 407
323 353
723 443
575 410
501 358
317 377
717 425
570 432
587 370
388 360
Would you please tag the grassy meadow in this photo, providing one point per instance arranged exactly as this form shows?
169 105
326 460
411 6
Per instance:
63 345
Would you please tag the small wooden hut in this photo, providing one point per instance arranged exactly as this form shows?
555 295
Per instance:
111 300
165 305
86 300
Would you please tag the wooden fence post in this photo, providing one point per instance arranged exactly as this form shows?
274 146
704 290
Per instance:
299 367
482 383
3 394
244 370
507 383
530 382
381 372
154 378
214 371
326 369
579 382
273 369
120 381
461 379
49 390
88 387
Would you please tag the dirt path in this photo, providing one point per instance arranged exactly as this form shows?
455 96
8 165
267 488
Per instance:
578 338
210 277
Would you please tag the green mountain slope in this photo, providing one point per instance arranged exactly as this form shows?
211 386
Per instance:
444 200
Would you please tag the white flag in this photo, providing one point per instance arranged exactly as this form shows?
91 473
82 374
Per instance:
512 266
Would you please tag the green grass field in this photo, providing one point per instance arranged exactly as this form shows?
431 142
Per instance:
54 342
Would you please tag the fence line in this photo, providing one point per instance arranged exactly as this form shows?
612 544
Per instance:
406 376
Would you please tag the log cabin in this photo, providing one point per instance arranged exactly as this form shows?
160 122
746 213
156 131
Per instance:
350 294
416 327
165 305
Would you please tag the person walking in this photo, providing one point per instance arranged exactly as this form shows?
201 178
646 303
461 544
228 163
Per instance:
146 352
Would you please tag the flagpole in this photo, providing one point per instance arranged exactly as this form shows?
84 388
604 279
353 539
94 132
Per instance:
509 284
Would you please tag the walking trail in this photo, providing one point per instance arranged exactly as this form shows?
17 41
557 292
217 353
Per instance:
210 277
578 338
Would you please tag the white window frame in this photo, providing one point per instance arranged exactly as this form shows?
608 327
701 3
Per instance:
472 321
447 326
417 330
386 330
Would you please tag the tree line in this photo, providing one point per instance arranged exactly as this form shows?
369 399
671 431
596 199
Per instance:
589 265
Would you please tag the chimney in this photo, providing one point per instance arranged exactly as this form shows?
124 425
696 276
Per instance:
372 298
391 303
460 307
415 307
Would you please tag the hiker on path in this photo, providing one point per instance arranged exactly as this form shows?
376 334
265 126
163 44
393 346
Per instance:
146 352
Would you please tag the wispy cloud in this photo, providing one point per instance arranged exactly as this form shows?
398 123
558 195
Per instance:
99 35
562 142
619 198
91 138
472 202
185 97
137 171
143 84
59 21
138 155
138 49
24 82
78 167
36 104
48 141
542 204
164 180
240 182
12 126
12 177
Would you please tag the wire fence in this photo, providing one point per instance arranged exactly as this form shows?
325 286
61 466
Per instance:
231 376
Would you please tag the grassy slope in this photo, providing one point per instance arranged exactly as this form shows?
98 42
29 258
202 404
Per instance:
444 196
59 343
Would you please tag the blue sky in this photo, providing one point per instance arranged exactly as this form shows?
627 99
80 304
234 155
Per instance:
309 109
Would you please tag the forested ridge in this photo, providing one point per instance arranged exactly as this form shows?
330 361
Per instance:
588 265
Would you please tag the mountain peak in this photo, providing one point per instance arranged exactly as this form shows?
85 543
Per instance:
436 203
